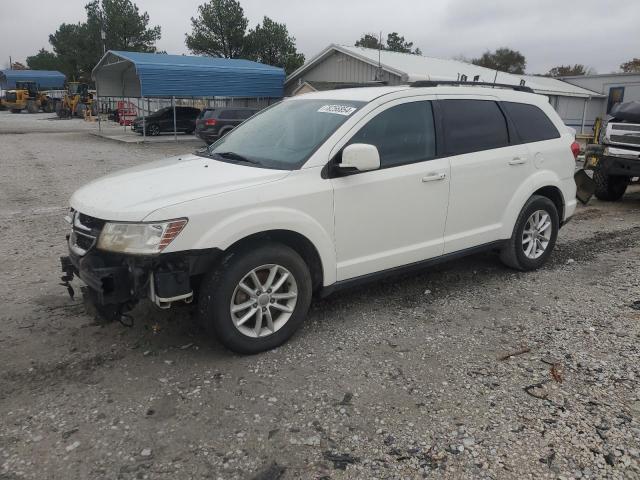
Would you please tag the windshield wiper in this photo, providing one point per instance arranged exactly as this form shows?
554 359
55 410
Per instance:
236 156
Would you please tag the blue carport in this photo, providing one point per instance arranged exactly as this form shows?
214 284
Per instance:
45 79
145 75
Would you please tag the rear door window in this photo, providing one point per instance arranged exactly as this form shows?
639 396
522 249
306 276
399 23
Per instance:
403 134
531 123
472 126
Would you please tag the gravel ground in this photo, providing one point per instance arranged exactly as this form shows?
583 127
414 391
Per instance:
468 370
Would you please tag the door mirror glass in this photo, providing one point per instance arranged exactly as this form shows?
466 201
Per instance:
361 156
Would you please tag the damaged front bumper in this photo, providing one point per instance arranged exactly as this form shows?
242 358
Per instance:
612 160
124 279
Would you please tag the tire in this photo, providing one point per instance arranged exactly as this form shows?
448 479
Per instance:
221 287
15 110
223 132
609 188
516 253
153 130
62 111
32 107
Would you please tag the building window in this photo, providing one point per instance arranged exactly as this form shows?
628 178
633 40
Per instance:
616 95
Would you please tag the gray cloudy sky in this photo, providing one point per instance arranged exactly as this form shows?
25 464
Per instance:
598 33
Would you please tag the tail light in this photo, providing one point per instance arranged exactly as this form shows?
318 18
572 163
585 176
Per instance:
210 122
575 149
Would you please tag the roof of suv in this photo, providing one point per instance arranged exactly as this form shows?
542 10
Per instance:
367 94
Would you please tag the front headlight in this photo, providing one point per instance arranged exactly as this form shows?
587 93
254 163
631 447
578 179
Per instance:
140 238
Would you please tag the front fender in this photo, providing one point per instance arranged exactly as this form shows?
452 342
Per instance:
540 179
242 225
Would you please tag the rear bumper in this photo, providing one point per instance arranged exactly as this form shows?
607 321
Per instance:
208 137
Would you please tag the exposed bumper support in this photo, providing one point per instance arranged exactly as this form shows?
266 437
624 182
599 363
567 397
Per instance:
117 279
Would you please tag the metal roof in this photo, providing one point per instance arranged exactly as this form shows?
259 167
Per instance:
46 79
134 74
417 67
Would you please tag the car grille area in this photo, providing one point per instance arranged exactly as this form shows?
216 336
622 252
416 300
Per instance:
84 232
628 139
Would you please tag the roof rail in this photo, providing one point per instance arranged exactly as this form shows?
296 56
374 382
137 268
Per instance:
436 83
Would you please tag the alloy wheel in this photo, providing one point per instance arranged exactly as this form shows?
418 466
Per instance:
537 234
264 300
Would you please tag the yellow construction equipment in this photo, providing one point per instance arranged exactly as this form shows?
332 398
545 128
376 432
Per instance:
26 96
76 101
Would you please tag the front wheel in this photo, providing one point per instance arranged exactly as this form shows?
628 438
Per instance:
256 299
534 235
153 130
609 188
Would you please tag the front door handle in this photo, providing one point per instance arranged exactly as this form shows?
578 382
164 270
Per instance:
433 177
518 161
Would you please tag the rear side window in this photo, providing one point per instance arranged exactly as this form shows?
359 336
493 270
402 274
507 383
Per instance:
228 115
472 126
532 124
244 114
403 134
207 113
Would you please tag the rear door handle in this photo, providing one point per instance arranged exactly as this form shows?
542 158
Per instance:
433 177
517 161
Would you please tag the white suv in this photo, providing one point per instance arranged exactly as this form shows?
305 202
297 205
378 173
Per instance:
324 191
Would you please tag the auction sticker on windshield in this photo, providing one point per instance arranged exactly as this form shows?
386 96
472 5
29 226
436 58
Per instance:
345 110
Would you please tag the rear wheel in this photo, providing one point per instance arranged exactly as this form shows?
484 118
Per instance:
62 111
256 299
153 130
534 235
609 188
32 106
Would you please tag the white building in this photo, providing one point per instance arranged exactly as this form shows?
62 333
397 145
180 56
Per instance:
613 87
338 64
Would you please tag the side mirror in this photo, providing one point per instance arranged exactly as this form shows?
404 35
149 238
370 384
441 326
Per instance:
360 156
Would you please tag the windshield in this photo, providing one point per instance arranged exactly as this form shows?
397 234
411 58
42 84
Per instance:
284 135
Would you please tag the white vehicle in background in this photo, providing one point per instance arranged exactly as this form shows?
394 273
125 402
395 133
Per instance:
615 159
321 192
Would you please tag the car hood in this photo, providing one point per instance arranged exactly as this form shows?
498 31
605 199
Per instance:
131 195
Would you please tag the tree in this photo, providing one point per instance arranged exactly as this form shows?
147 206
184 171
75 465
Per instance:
270 43
632 66
503 59
44 60
219 30
79 46
395 43
69 46
568 70
124 26
370 40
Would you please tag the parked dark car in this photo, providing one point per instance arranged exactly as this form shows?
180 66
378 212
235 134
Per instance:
162 121
213 123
